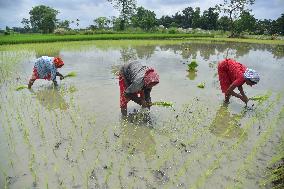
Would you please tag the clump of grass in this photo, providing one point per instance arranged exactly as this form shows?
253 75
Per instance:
192 66
163 103
201 85
71 74
20 87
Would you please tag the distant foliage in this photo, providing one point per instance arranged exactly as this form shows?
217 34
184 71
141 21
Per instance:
43 18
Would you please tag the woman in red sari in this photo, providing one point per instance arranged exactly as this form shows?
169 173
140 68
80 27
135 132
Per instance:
233 75
135 83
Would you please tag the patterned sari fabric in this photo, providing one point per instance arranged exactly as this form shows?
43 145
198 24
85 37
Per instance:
231 72
44 68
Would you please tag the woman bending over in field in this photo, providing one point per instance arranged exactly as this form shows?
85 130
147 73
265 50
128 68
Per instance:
233 74
136 82
46 68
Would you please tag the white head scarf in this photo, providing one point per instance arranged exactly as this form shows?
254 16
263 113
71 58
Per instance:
252 75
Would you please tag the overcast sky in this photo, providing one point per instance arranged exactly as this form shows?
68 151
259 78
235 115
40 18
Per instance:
12 11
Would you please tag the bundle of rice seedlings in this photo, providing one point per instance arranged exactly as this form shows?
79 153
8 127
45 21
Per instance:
260 98
201 85
20 87
71 74
192 65
162 103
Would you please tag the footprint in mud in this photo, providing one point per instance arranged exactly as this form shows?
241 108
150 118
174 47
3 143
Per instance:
160 176
56 146
11 180
132 172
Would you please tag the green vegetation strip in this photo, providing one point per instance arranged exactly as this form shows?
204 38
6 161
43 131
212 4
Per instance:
38 38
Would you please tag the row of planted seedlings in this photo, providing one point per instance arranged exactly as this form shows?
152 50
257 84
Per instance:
198 150
274 174
15 111
9 62
265 141
191 141
260 114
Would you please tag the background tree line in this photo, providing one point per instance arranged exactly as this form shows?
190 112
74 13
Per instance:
232 15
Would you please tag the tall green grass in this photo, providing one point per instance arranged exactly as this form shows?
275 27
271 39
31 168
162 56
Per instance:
41 38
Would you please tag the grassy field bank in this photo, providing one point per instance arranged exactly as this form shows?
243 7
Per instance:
41 38
38 38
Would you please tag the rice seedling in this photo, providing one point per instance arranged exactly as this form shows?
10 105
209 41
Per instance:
70 74
162 103
20 87
260 98
192 66
201 85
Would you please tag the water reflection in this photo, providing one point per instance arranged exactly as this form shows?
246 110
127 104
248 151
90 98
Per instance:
51 99
136 134
191 74
207 50
226 125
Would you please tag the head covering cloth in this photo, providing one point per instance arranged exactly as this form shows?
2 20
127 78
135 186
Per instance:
151 76
252 75
58 62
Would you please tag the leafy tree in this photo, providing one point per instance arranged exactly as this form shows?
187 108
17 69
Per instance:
209 19
247 23
178 19
280 23
196 18
165 21
144 19
116 23
102 22
64 24
26 23
224 23
187 17
126 8
43 18
263 26
234 8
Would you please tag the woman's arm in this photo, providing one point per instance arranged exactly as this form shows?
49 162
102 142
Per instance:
245 98
230 92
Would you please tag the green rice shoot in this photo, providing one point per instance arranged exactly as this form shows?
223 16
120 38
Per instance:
20 87
192 66
201 85
162 103
71 74
260 98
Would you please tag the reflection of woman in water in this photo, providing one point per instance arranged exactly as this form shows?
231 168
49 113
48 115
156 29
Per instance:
51 99
136 82
136 134
226 125
233 74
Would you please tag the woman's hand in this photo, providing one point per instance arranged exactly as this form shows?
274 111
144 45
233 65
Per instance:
146 104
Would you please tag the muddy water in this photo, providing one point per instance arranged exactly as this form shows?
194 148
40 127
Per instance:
74 136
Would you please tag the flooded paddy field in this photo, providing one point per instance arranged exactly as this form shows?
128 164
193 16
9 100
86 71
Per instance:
74 137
